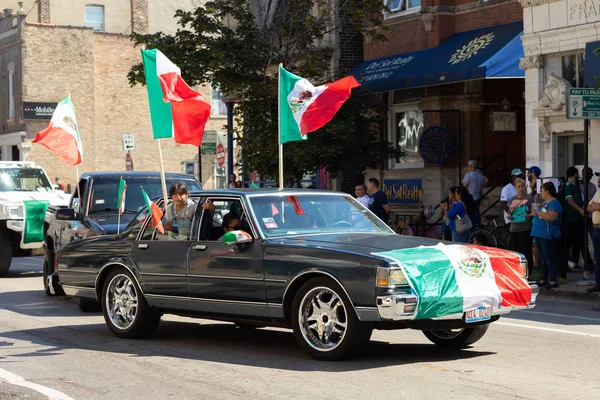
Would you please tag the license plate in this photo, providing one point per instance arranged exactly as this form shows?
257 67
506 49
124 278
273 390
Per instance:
478 314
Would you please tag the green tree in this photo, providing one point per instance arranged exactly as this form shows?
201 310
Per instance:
237 45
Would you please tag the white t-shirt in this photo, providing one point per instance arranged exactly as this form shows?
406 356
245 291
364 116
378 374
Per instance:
508 192
595 214
474 181
182 219
364 200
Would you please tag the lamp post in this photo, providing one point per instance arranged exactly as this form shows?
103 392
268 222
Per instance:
230 101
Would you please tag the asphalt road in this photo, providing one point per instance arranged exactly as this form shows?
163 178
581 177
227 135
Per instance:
49 349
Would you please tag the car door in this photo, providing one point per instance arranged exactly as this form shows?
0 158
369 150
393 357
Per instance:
227 279
161 260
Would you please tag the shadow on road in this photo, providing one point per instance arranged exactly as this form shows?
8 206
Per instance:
224 343
35 303
25 267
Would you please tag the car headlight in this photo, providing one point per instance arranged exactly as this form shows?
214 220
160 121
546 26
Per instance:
391 277
13 210
523 266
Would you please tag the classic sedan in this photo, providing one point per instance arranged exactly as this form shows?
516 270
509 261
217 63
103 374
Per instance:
317 262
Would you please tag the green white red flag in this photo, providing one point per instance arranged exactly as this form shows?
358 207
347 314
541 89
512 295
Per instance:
453 279
304 108
155 212
33 221
121 195
176 110
62 134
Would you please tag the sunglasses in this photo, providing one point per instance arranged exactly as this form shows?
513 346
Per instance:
235 227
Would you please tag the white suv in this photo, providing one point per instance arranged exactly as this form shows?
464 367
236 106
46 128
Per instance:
20 180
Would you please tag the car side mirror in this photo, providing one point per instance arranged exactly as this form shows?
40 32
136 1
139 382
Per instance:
236 237
66 214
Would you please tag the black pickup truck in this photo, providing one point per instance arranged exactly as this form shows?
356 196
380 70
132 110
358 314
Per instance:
96 212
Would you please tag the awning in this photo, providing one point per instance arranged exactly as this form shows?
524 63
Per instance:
492 52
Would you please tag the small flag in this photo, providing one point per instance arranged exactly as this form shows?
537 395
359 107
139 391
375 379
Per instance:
62 134
176 110
33 220
122 189
156 212
234 237
304 108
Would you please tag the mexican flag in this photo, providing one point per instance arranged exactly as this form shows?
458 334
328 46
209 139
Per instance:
452 279
156 212
176 109
62 135
121 195
33 220
304 108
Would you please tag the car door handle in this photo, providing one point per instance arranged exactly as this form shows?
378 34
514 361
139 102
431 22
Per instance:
142 246
199 247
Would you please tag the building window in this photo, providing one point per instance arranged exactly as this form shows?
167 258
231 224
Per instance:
572 69
11 94
218 107
406 129
397 7
189 168
94 17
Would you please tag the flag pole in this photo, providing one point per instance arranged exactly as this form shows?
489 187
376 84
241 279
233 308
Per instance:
162 174
279 126
119 217
77 184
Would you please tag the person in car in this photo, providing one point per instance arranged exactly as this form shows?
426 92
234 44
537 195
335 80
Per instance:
231 222
181 209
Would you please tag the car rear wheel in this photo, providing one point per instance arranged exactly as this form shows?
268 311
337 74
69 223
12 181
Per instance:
126 311
324 322
5 254
457 338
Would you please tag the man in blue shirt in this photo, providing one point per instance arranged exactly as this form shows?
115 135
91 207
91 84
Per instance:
378 203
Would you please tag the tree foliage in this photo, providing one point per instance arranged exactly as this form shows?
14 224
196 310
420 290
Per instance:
237 44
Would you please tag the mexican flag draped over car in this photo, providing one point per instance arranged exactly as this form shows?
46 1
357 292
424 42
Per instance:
453 279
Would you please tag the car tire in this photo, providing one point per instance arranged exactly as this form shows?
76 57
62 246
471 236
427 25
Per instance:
6 254
126 311
336 311
48 269
88 305
457 338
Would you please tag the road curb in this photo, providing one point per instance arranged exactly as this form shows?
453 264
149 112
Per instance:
571 294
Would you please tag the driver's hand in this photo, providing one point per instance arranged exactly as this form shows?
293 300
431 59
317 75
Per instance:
209 206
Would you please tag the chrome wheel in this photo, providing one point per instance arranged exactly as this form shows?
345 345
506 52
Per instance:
322 318
121 301
447 333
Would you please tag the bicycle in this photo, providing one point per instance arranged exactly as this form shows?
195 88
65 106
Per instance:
498 236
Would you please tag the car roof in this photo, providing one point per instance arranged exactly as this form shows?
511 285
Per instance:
265 192
133 174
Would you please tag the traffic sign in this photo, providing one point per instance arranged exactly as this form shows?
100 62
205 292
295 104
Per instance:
220 155
209 149
128 141
583 104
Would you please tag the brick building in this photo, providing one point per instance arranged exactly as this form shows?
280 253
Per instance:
449 76
49 48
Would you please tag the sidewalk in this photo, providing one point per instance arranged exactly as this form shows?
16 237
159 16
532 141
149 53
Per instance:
575 288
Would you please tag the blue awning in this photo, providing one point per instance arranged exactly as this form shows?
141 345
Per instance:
492 52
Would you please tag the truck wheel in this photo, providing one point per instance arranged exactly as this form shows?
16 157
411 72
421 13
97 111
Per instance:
126 311
457 338
5 254
48 270
324 322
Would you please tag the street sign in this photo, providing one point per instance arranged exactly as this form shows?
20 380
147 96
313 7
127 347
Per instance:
209 137
209 149
128 162
583 104
220 155
128 141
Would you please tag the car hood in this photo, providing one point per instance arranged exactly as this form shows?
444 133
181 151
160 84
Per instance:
55 197
109 221
360 243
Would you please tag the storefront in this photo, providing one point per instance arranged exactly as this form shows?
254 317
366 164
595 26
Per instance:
555 37
446 104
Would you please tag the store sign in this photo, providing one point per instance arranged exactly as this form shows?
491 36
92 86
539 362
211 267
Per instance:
38 110
435 145
403 191
503 121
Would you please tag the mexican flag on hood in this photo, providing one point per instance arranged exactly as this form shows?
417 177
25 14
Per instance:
304 108
453 279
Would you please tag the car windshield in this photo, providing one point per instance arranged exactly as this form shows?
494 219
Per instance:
23 180
104 196
283 215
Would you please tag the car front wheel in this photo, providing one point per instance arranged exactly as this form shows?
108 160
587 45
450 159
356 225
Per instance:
324 322
126 311
457 338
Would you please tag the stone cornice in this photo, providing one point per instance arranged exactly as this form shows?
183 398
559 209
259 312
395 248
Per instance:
531 62
533 3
